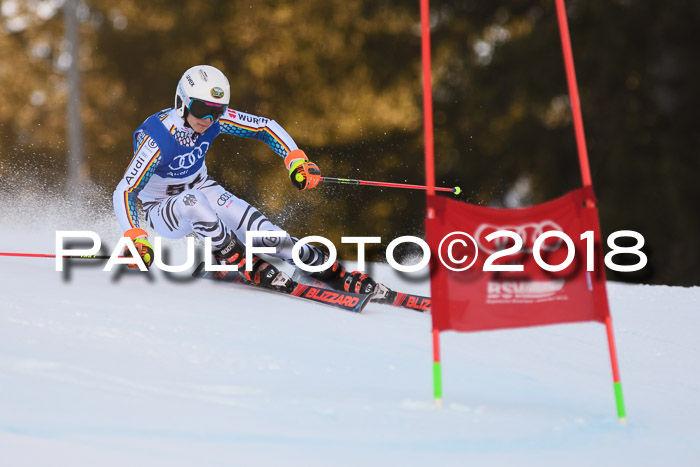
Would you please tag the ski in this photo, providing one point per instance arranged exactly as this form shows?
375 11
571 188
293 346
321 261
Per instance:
337 299
399 299
411 301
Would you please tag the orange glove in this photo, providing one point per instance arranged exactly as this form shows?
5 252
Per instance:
140 239
302 173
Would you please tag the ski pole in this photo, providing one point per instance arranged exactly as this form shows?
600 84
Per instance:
39 255
349 181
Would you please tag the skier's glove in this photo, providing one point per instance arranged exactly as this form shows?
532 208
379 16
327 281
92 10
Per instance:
302 173
140 239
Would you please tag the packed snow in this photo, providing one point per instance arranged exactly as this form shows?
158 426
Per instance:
144 369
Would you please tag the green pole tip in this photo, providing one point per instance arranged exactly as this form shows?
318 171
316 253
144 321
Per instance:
456 190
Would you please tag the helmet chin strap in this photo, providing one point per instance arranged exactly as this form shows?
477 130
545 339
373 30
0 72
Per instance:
185 112
187 124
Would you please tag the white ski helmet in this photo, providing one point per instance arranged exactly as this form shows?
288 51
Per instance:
202 82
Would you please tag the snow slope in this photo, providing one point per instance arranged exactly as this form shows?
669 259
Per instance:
112 370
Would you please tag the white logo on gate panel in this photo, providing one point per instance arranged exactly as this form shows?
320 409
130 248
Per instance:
528 232
524 292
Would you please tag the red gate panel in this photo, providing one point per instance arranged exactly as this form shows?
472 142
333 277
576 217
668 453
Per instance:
474 299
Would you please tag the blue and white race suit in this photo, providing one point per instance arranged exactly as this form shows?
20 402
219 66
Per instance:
169 175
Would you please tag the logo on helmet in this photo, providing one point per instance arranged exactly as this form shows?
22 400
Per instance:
217 92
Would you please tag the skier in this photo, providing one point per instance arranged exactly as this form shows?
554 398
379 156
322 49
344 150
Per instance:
169 175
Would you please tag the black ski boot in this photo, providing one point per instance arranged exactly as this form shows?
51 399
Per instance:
262 273
337 277
232 253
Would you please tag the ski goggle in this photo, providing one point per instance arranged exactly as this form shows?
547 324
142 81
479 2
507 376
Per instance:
202 109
